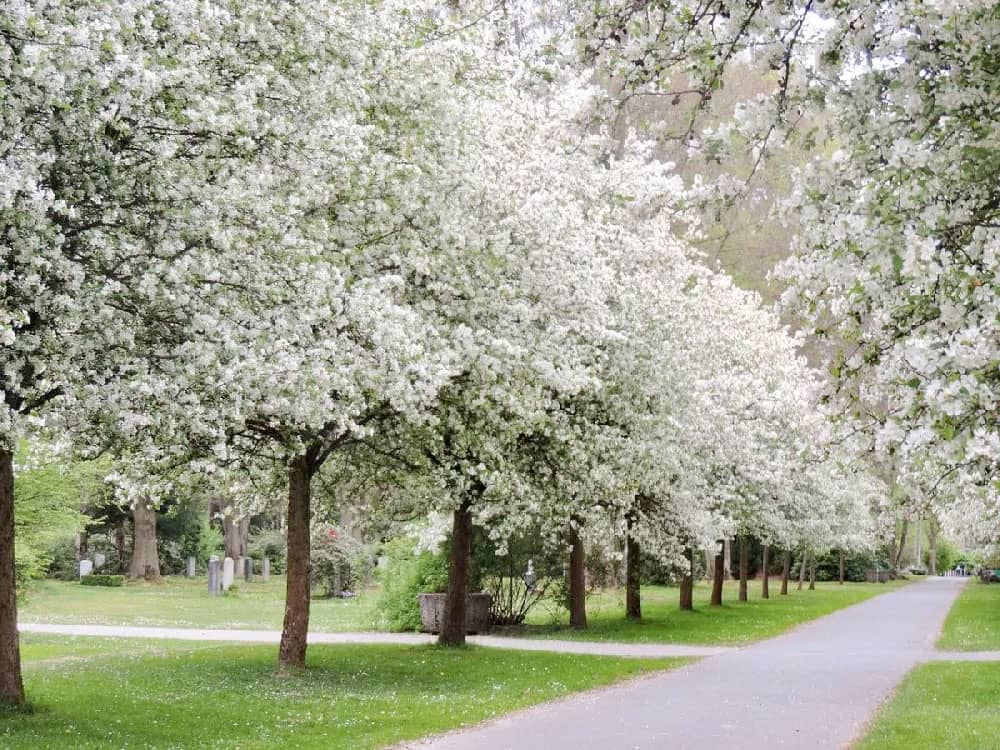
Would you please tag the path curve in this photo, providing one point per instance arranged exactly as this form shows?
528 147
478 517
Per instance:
814 687
633 650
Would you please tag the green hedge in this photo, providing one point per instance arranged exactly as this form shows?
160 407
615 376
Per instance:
99 579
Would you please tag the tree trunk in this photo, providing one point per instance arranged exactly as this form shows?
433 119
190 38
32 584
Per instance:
633 604
716 600
897 557
727 568
145 559
932 535
11 686
577 581
709 564
744 566
841 571
786 570
236 534
765 573
80 542
802 568
687 583
453 620
812 572
292 651
120 545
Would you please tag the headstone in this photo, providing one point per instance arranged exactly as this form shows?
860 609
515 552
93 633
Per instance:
190 567
99 560
86 568
265 571
213 576
248 569
227 573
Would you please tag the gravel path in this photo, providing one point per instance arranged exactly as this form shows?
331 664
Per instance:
637 650
815 687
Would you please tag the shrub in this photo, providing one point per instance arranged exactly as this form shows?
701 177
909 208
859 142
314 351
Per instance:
62 563
405 573
339 561
503 576
100 579
856 565
269 543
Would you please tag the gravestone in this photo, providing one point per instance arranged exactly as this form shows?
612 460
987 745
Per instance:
86 568
265 571
248 569
213 576
190 567
227 573
99 560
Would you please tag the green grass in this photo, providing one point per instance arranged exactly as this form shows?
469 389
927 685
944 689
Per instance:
973 624
945 706
733 623
182 602
230 697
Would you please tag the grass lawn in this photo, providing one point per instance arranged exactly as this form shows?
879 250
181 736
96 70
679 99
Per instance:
158 694
973 623
182 602
945 706
185 602
733 623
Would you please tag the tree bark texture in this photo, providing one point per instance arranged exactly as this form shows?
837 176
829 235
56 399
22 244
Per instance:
744 566
786 570
841 571
292 651
812 572
633 602
720 565
145 558
11 685
453 621
802 569
120 545
932 535
577 581
897 556
687 583
765 573
727 569
236 534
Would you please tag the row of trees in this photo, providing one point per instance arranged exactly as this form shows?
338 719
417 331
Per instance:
273 242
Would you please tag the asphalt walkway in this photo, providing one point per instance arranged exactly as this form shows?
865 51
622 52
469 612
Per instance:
814 687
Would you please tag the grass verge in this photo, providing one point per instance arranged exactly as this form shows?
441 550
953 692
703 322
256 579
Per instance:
230 697
185 603
945 706
973 624
732 624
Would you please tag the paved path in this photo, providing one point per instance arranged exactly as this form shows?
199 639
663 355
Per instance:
638 650
815 687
